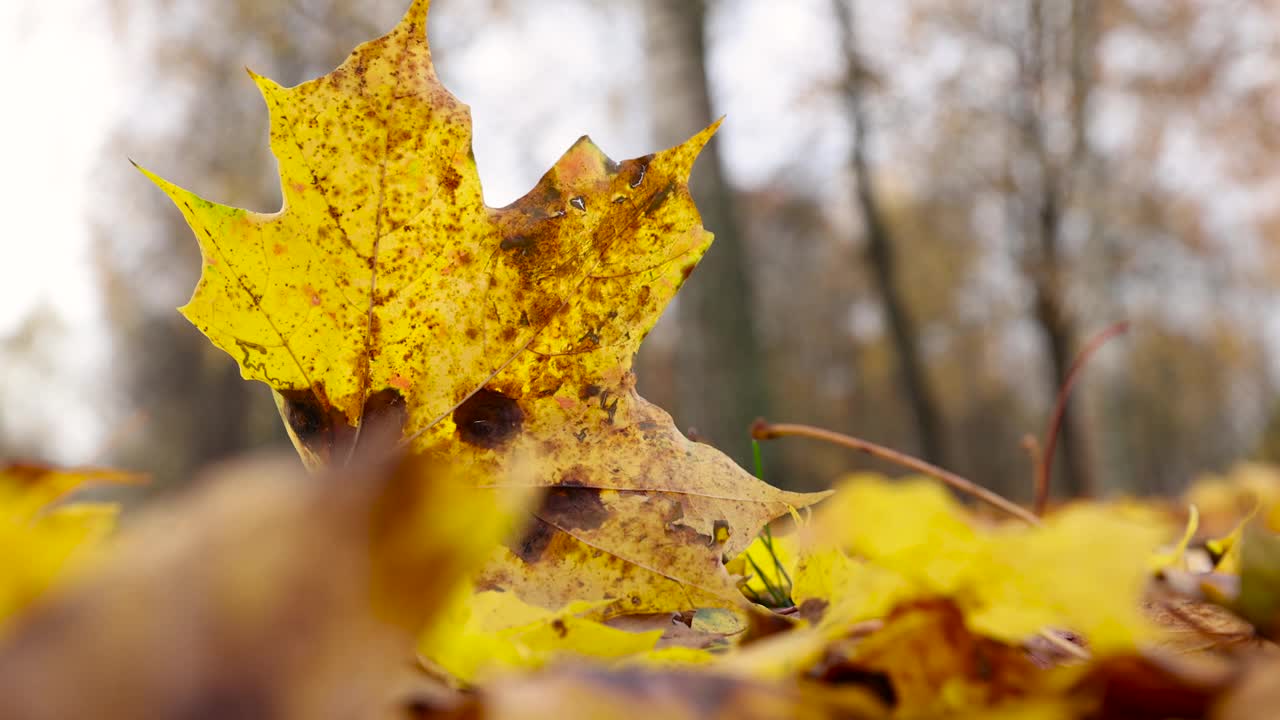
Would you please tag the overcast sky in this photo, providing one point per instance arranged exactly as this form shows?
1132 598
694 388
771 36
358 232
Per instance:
531 94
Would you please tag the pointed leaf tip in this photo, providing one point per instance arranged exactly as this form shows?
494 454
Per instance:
170 189
265 85
159 181
686 153
416 17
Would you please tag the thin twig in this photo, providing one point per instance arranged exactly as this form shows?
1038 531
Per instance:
1045 469
762 430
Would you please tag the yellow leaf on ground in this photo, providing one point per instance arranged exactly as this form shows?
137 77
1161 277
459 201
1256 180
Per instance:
933 664
911 525
493 632
42 542
838 591
1085 569
768 564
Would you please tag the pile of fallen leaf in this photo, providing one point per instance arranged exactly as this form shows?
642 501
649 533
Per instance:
494 524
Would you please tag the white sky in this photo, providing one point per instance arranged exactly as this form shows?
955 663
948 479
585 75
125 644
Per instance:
61 78
62 72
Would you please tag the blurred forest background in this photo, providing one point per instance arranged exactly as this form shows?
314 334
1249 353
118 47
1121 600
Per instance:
923 210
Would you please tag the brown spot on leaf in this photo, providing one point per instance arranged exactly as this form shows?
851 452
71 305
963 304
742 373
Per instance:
310 421
534 542
659 198
813 609
324 431
451 179
573 508
516 242
488 419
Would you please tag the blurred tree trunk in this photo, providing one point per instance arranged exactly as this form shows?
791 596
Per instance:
720 380
881 253
1043 262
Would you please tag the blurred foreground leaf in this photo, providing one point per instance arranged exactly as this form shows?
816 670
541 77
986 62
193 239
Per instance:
262 594
42 539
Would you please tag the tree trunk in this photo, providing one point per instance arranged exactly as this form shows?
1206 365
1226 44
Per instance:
720 381
882 258
1046 268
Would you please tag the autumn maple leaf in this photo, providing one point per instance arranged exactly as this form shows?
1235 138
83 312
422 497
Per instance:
386 292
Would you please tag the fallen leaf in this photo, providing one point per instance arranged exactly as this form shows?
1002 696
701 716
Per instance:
493 632
1152 686
1192 625
1085 569
262 594
673 695
43 540
385 290
924 662
706 631
767 564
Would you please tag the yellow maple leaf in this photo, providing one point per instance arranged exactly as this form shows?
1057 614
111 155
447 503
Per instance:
385 292
42 542
1085 569
911 525
492 632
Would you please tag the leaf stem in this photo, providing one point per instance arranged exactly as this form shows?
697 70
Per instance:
762 430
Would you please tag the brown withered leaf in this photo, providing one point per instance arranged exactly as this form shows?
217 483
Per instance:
924 662
386 290
1152 686
691 694
260 595
1192 625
